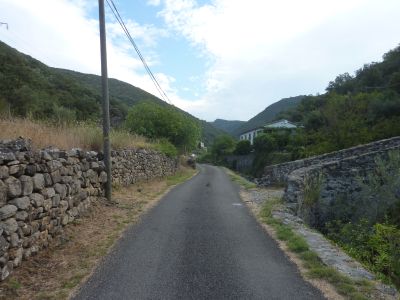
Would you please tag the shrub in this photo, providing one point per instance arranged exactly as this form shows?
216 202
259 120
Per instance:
166 147
243 147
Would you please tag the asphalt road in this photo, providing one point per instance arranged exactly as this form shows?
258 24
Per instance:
200 242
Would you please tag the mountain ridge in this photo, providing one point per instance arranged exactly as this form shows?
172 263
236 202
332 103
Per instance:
269 114
30 87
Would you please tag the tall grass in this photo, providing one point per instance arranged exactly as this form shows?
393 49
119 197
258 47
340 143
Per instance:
86 136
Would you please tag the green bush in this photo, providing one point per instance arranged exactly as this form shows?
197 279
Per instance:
377 246
162 122
164 146
243 147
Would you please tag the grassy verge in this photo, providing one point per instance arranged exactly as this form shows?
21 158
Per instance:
308 261
57 272
344 285
87 136
181 176
240 180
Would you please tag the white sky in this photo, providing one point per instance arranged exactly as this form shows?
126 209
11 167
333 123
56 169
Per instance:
254 52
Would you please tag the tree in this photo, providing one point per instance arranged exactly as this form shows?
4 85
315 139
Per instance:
223 145
243 147
342 84
156 121
264 143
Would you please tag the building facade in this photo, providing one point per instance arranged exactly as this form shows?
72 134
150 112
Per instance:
250 135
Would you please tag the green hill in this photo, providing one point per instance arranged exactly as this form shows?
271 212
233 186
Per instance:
269 114
356 109
30 88
227 125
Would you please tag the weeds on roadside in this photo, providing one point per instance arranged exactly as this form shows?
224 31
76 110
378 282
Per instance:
240 180
346 286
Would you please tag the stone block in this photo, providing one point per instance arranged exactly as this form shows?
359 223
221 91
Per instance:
17 170
53 165
4 245
26 184
36 199
14 240
47 203
5 271
47 179
48 193
38 182
21 215
9 226
30 170
3 193
14 187
22 203
61 189
55 200
7 211
55 176
4 172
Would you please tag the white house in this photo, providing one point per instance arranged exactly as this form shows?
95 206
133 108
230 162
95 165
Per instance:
250 135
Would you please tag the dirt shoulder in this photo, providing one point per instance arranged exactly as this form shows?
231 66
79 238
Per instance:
58 271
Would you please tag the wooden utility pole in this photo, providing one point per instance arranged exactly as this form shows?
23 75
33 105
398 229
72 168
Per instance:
106 104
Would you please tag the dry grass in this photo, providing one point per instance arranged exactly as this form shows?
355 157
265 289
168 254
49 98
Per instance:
67 136
58 271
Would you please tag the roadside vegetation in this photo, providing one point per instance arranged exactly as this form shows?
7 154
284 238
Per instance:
372 235
58 271
164 123
311 265
355 109
148 125
84 135
316 269
376 245
240 180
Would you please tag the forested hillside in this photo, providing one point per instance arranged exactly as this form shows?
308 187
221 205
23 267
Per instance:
227 125
355 110
30 88
269 114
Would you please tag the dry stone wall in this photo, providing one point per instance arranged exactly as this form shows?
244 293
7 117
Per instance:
279 173
43 191
321 188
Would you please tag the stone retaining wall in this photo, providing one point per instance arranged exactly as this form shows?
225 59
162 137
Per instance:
278 173
42 191
337 189
322 188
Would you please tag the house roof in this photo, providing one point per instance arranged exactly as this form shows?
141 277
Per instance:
282 123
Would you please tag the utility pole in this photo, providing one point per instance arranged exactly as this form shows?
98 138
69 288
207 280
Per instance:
106 105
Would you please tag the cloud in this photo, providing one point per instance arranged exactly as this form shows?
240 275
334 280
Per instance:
255 52
261 51
62 34
154 2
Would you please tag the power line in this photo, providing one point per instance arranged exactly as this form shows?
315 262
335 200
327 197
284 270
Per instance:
127 33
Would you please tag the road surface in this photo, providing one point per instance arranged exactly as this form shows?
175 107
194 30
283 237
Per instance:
200 242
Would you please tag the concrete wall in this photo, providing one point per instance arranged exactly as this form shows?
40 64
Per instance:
43 191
